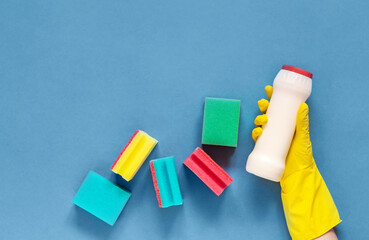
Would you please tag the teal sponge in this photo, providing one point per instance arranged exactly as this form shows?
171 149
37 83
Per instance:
101 198
165 180
221 121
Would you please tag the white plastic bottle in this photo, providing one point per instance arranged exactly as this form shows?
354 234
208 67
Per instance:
291 87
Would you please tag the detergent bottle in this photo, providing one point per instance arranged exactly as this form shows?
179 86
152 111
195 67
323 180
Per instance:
291 87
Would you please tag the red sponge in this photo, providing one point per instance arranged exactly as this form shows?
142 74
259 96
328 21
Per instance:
208 171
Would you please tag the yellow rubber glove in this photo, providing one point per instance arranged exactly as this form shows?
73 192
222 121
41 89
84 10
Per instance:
308 206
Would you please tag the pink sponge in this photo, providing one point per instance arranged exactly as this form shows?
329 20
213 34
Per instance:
208 171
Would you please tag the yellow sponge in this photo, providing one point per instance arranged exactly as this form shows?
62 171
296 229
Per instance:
134 154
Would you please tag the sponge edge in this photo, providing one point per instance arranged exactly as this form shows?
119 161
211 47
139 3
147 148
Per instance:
166 183
155 182
208 171
133 155
101 198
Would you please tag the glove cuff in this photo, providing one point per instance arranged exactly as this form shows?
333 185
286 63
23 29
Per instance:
308 206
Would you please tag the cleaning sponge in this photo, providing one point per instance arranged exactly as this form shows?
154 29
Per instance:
134 154
165 180
221 120
208 171
101 198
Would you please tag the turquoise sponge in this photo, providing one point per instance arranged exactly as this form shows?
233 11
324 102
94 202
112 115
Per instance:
101 198
221 120
165 180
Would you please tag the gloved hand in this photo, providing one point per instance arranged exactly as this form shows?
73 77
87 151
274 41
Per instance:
308 206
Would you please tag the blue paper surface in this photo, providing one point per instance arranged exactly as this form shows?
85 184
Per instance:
78 77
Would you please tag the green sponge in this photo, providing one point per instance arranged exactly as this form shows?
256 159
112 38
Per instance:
101 198
221 120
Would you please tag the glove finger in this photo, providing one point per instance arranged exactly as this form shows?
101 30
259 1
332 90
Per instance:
261 120
302 123
269 91
256 133
263 105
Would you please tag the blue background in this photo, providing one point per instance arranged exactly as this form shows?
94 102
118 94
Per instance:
79 77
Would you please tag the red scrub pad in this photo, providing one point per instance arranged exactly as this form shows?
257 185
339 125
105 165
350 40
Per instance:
208 171
156 186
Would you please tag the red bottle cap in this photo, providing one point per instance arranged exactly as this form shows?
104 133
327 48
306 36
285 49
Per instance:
298 70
